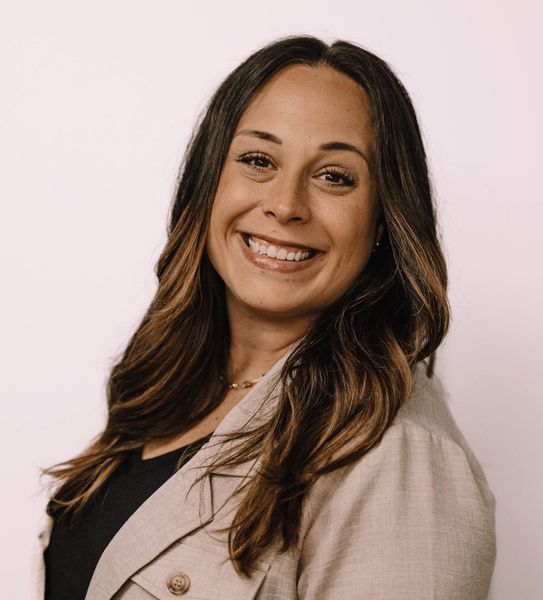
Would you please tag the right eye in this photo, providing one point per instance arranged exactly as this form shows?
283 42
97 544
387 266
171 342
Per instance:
256 160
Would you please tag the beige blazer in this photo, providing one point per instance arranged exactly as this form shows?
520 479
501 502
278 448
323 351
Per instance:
411 520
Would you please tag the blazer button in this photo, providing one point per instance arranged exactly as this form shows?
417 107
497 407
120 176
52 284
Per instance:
178 584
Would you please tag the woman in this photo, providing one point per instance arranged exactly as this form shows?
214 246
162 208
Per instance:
284 367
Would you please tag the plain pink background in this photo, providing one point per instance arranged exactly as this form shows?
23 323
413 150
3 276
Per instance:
98 100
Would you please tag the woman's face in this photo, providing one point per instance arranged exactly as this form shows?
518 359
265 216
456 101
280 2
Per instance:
295 216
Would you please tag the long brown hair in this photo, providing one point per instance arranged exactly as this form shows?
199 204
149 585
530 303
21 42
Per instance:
344 382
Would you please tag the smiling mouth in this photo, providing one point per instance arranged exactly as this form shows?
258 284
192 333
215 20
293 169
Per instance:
262 247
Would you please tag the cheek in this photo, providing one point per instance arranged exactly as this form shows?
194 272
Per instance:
222 206
354 256
354 233
231 199
215 232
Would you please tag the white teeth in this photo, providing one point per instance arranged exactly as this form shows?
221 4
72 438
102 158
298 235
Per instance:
277 252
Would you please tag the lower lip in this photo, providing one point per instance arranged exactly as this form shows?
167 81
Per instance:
272 264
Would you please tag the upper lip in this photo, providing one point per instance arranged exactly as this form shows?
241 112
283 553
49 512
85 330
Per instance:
279 242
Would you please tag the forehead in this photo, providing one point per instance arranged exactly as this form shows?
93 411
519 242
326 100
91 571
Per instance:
302 100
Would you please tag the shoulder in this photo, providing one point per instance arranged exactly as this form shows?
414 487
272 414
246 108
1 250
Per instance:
416 503
422 457
423 443
425 419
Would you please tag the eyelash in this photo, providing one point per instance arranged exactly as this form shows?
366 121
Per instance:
250 156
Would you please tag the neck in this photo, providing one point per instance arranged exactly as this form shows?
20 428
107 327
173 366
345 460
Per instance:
257 343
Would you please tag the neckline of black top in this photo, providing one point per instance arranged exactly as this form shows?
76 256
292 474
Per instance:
167 460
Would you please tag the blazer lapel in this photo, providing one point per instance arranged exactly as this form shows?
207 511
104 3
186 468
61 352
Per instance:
180 506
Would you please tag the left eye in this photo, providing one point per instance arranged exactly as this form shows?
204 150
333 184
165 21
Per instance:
337 177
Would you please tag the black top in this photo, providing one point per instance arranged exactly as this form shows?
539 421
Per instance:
74 550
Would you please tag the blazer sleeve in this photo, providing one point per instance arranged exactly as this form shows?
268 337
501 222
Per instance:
411 520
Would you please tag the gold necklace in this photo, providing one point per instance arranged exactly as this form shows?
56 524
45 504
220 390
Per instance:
244 384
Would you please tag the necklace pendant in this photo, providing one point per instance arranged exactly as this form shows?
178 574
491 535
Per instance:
240 386
243 384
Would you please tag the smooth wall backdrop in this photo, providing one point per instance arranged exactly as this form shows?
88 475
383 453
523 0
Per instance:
98 101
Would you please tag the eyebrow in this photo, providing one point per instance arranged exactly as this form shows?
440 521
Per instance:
269 137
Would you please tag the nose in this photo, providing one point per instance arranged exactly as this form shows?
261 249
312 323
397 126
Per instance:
287 201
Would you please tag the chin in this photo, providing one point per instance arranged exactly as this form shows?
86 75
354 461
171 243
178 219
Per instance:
275 309
271 304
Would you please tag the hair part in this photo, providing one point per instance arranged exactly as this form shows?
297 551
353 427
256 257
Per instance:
342 386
